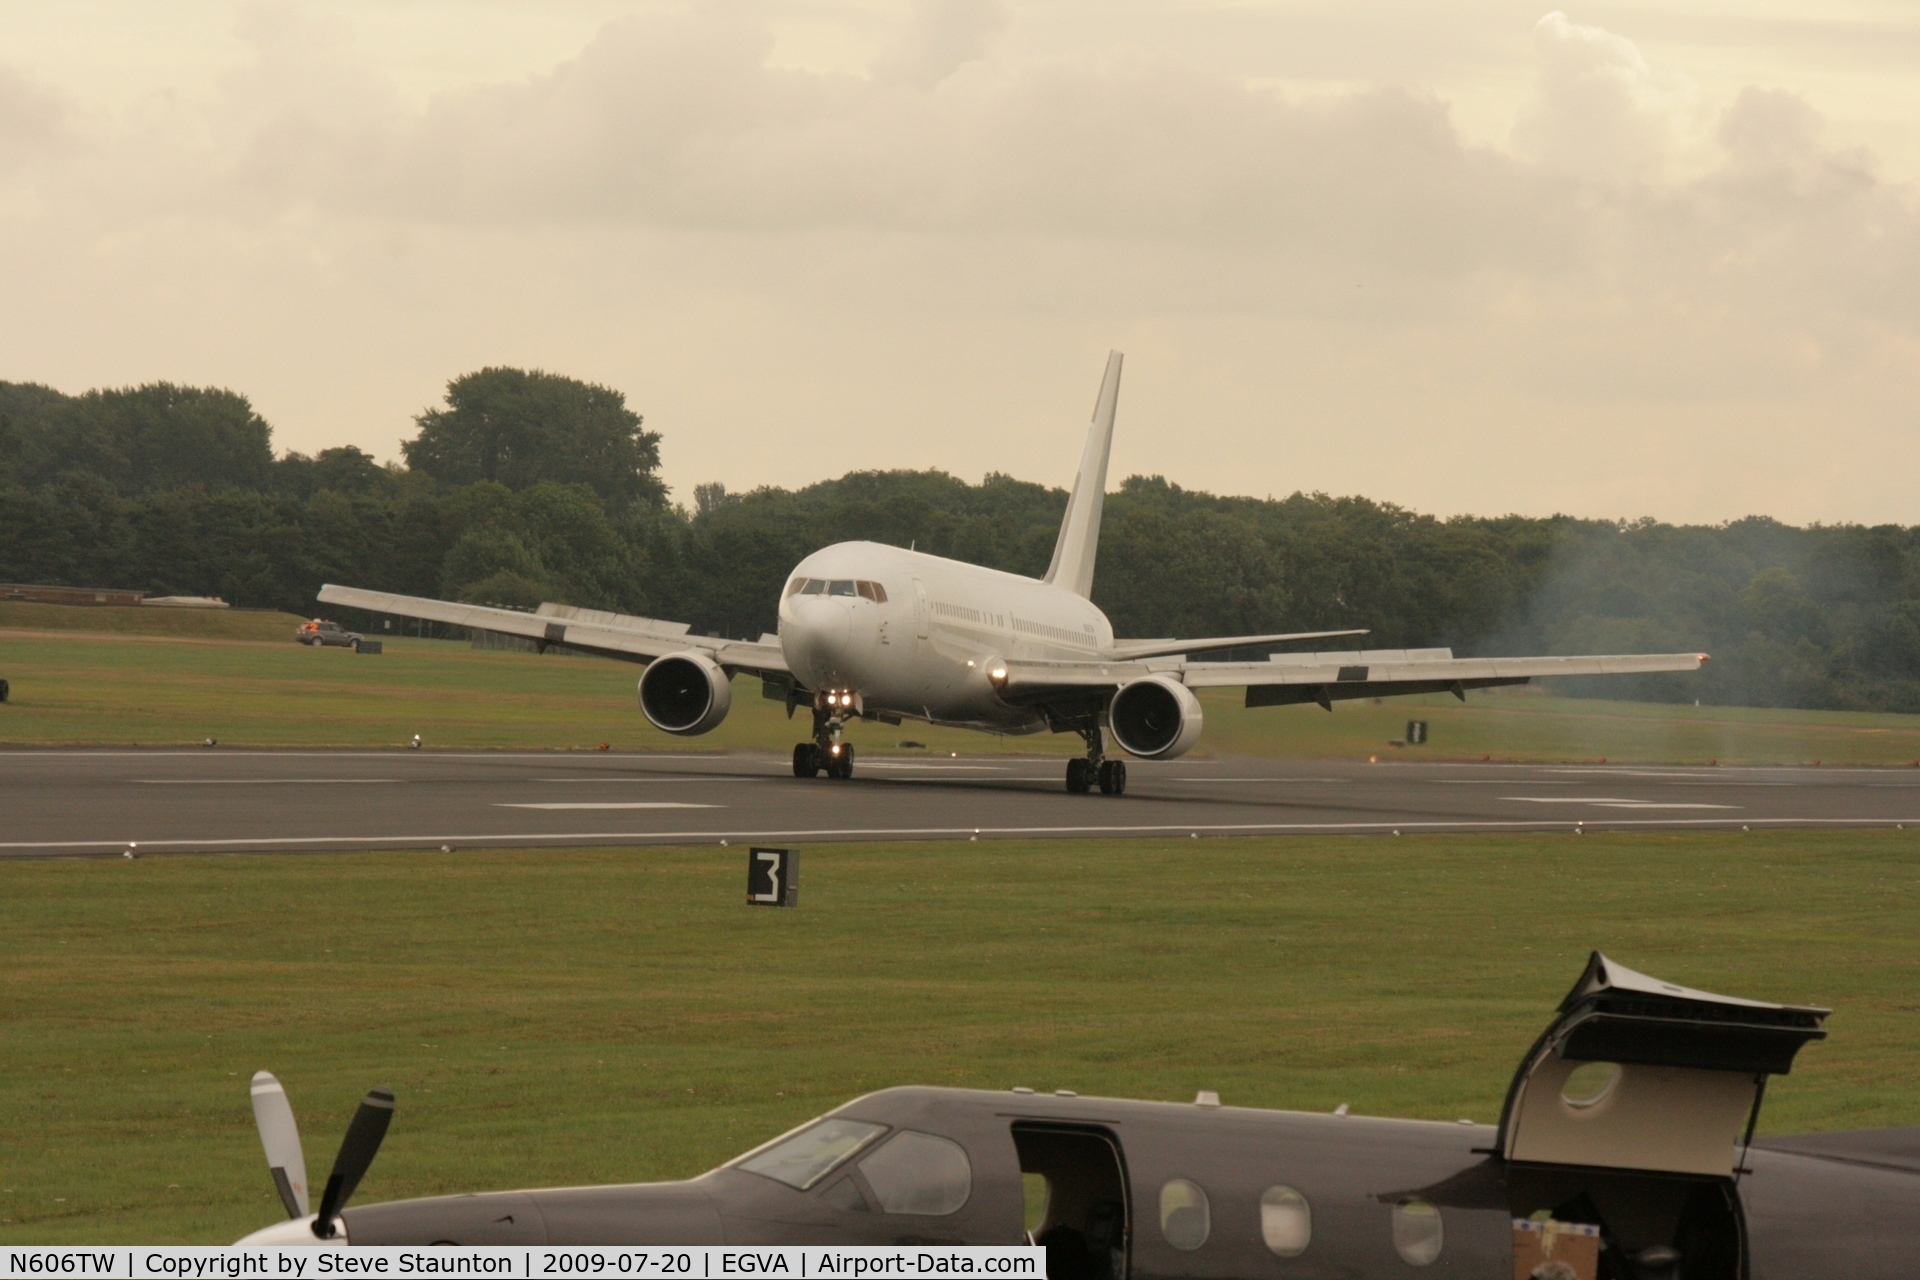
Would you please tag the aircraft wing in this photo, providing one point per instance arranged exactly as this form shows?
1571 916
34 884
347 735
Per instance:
1326 678
1165 648
613 635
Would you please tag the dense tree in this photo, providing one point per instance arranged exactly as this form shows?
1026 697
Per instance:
519 428
139 439
1813 617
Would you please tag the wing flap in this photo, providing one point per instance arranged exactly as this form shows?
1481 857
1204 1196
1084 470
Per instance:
1360 669
1326 677
613 635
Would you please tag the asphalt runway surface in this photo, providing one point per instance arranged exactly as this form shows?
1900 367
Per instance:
79 803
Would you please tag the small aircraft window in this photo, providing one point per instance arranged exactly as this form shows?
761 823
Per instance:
1286 1221
794 587
919 1173
1418 1234
1589 1084
840 587
1185 1219
872 591
814 587
863 589
812 1154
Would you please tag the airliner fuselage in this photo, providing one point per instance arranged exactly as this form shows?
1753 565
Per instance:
915 635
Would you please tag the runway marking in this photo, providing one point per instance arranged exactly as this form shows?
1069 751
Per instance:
1244 828
612 804
1607 802
1250 780
682 778
250 782
932 768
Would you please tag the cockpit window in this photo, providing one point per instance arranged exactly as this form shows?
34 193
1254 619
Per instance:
813 1153
840 587
794 587
814 587
919 1173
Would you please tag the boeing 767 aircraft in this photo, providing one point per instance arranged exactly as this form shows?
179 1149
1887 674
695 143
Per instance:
875 632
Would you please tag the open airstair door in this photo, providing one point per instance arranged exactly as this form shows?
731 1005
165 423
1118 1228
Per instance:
1640 1074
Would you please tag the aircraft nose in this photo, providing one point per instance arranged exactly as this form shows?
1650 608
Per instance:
815 637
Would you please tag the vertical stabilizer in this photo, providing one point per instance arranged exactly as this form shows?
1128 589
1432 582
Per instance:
1079 540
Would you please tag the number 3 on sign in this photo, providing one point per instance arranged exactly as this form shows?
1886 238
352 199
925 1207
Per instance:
766 870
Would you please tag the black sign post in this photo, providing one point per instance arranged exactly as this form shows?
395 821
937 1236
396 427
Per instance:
773 878
1416 732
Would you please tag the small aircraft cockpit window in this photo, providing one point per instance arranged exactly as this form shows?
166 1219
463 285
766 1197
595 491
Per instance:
1286 1221
793 588
813 1153
1418 1234
840 587
1185 1217
872 591
812 586
919 1173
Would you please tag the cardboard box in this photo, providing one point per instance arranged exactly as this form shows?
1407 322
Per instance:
1547 1250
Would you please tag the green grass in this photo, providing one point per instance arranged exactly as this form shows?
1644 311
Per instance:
247 683
581 1016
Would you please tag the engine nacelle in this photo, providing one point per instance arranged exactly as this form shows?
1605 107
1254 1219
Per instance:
1155 718
685 693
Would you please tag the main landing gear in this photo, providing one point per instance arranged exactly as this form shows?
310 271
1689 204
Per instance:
827 753
1085 772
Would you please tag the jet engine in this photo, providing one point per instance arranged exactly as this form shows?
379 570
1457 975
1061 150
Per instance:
685 693
1155 717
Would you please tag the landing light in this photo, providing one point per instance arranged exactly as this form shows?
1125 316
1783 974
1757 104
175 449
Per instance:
998 673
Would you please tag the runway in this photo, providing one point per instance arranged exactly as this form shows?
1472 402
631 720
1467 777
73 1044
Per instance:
81 802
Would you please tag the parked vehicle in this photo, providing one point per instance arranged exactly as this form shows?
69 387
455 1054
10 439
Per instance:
320 631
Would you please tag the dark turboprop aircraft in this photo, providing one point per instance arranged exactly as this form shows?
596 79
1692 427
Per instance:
1625 1151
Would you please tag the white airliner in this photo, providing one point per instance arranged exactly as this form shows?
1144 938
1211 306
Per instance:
874 632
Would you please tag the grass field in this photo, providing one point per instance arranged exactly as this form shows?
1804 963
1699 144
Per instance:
579 1016
183 676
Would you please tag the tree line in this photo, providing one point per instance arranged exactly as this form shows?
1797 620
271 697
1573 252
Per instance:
527 486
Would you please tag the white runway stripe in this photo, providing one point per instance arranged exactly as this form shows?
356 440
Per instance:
252 782
611 804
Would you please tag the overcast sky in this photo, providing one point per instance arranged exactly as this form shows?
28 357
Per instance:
1626 259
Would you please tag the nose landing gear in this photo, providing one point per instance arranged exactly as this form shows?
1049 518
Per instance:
1094 769
827 753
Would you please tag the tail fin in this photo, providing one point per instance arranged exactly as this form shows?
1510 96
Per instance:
1079 540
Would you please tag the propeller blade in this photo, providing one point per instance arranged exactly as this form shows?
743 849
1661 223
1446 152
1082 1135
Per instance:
357 1151
281 1138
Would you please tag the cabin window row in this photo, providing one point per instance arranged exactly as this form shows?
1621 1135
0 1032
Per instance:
958 611
1052 633
838 587
1286 1222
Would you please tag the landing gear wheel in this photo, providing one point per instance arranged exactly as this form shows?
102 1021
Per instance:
841 764
806 760
1079 775
1113 777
